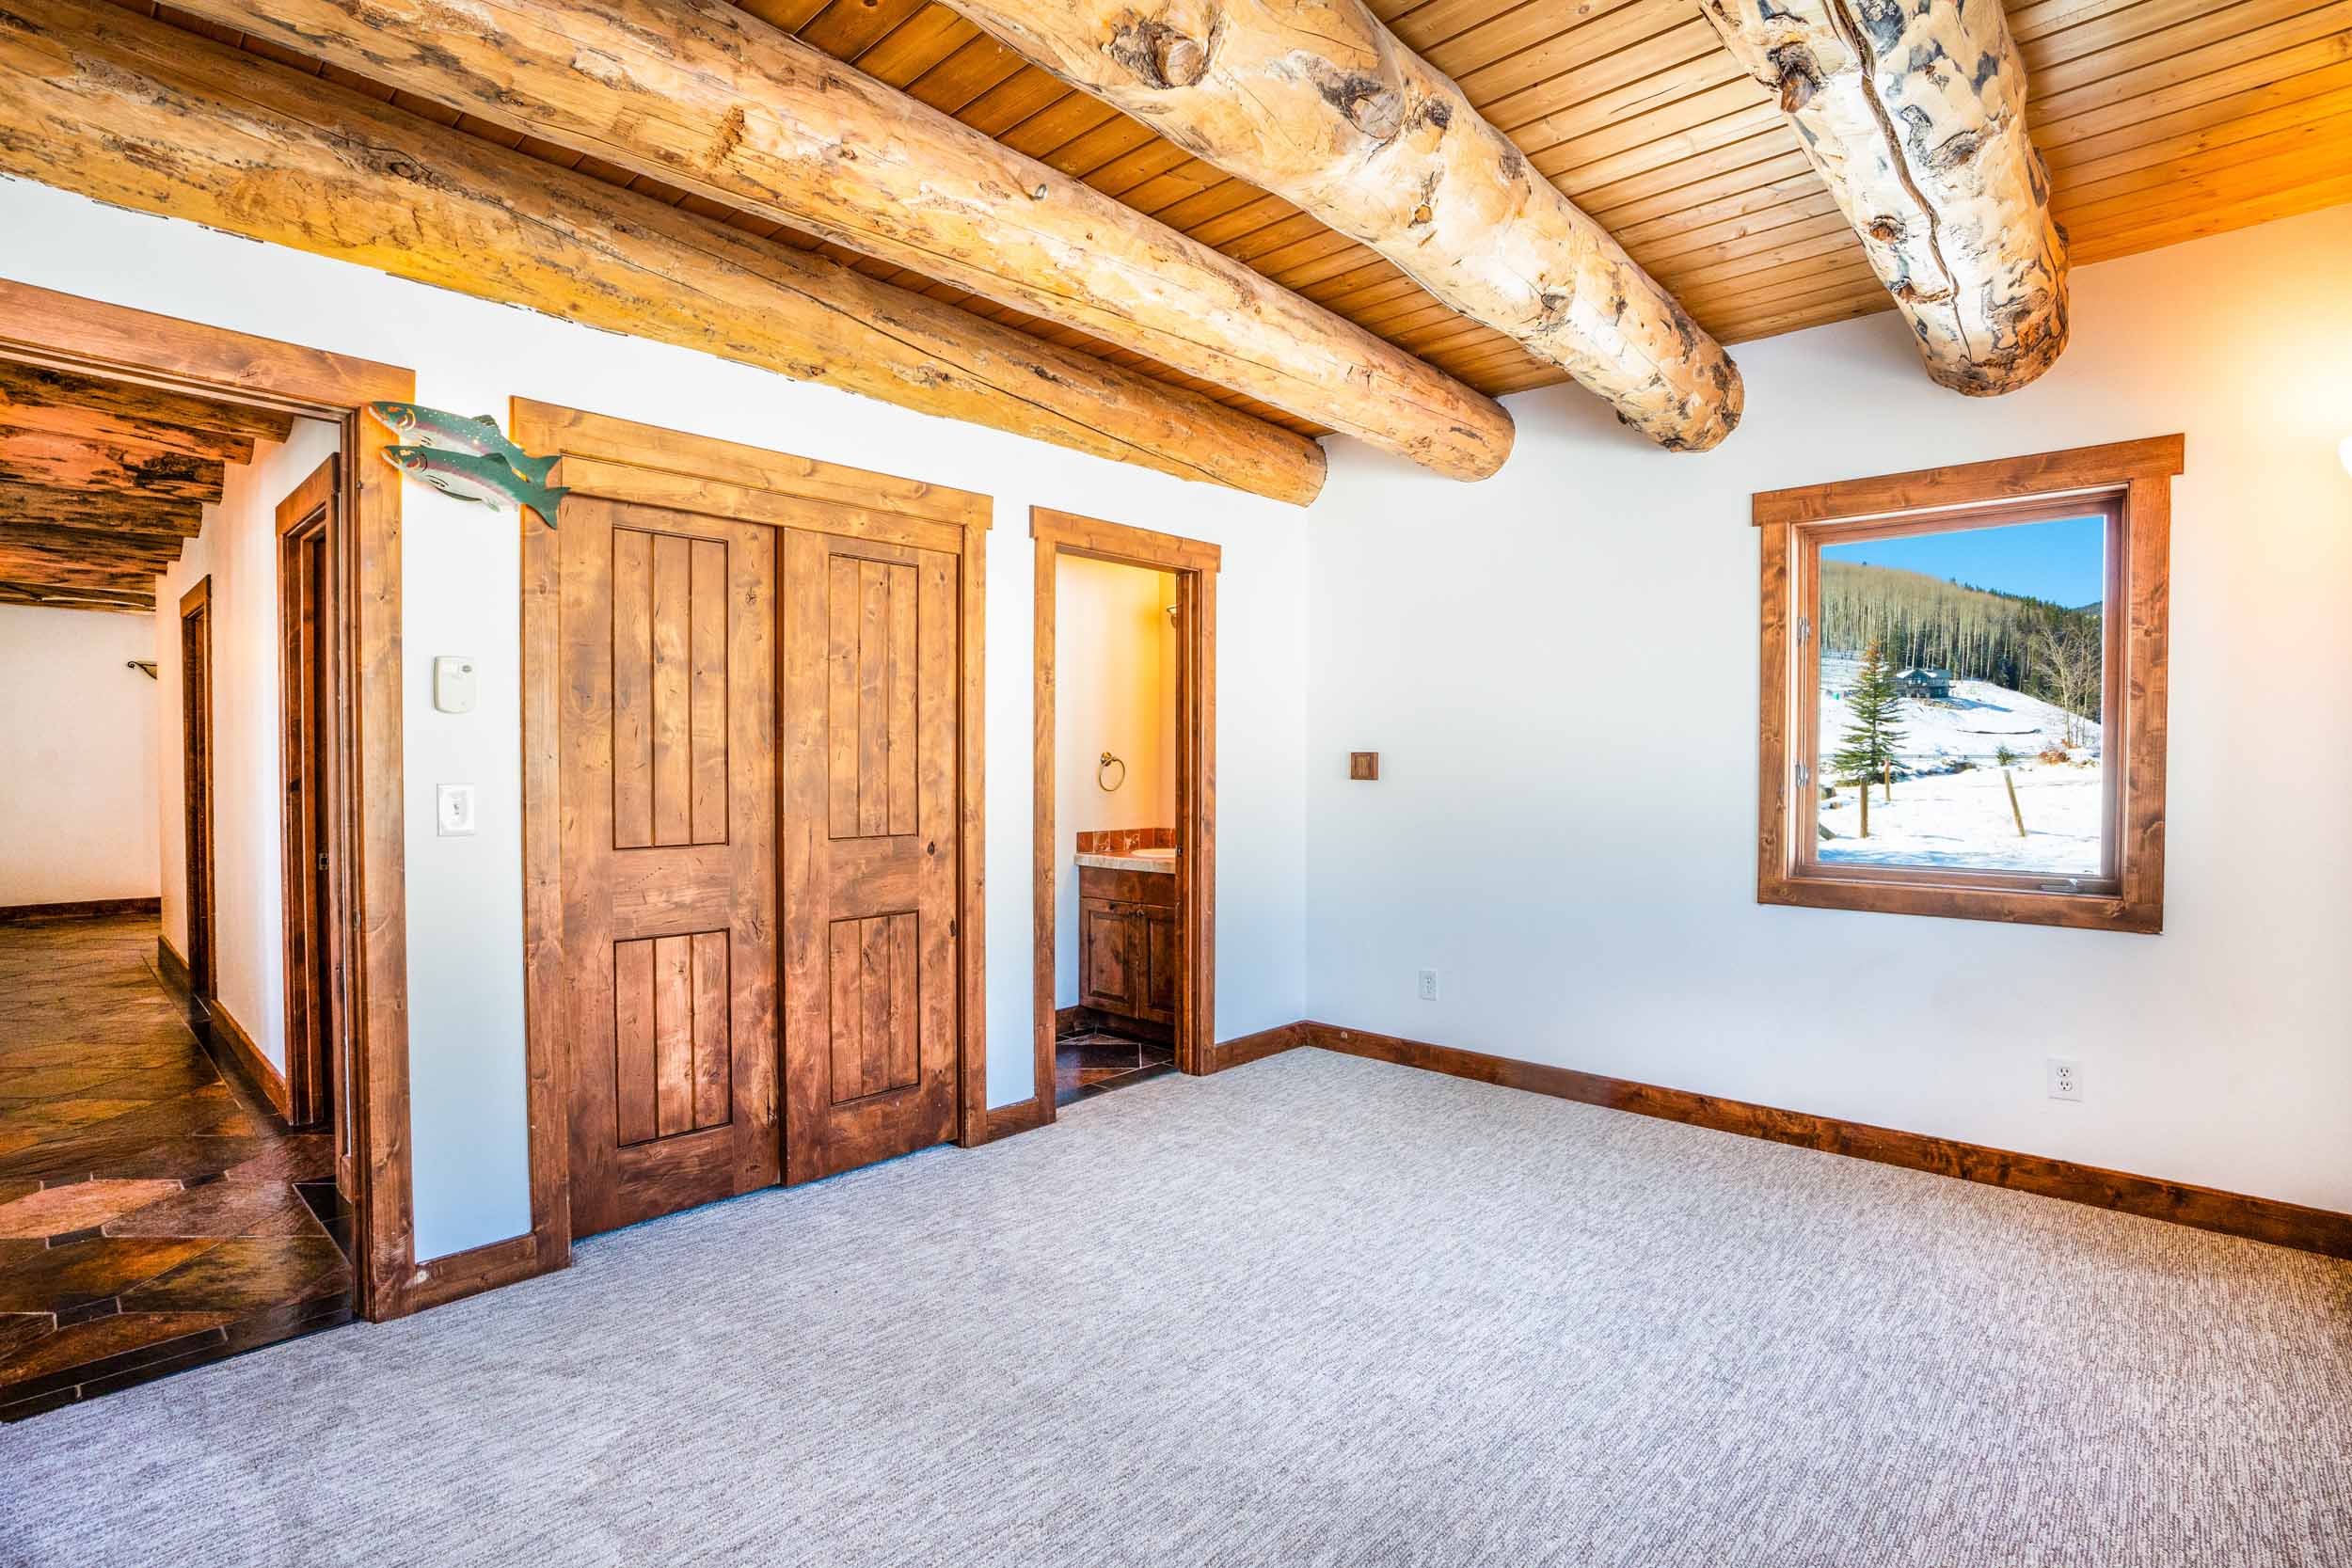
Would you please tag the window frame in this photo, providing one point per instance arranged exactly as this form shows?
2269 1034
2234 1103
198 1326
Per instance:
2131 483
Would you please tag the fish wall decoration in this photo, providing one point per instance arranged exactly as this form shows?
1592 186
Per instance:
468 458
472 477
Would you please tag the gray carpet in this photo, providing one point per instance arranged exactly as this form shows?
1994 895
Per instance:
1314 1310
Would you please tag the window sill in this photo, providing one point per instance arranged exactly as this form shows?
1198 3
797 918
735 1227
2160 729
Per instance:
2085 911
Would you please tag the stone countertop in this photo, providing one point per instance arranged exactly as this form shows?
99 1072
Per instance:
1164 864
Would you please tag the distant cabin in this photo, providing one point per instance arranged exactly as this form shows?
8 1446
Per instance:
1925 681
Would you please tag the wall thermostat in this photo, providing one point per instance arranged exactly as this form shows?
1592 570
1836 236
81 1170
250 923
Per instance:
452 683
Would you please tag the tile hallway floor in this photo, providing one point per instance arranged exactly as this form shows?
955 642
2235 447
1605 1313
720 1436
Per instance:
1099 1060
152 1217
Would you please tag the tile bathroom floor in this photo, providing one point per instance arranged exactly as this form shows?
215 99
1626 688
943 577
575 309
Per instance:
152 1216
1096 1061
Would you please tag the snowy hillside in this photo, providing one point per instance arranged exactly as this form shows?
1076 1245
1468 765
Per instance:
1954 808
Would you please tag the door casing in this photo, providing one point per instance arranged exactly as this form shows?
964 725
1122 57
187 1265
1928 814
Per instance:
309 524
622 460
1195 565
196 786
42 327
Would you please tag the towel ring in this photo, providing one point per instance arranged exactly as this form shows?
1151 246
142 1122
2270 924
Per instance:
1104 767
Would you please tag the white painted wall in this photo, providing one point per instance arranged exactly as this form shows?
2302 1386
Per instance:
238 550
1114 690
1564 822
1559 667
77 756
460 586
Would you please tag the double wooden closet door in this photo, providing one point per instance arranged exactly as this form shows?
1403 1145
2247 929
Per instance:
758 753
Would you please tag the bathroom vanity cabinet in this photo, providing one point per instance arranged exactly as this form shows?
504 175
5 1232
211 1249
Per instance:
1129 951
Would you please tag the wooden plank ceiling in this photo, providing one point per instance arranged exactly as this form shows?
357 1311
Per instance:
102 483
2161 120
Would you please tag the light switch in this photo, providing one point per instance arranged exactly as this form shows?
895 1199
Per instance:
453 683
452 815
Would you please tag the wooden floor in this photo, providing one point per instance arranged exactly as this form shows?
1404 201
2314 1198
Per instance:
153 1217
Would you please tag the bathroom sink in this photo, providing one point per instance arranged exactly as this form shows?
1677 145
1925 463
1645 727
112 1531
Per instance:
1161 854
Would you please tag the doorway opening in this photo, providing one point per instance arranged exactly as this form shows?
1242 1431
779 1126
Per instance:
1126 806
169 1167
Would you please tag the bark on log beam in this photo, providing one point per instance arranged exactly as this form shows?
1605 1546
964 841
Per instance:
60 596
110 430
92 462
60 555
109 548
1318 103
1915 116
130 111
701 94
77 508
36 397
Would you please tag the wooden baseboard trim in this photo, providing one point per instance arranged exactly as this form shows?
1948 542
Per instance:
1252 1048
171 967
83 909
469 1273
258 1071
2259 1219
1022 1116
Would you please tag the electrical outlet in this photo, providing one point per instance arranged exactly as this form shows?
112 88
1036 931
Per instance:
2066 1078
1428 984
453 811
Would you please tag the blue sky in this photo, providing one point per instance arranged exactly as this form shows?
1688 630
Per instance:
2064 562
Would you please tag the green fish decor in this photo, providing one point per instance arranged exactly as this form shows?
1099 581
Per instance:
468 458
471 477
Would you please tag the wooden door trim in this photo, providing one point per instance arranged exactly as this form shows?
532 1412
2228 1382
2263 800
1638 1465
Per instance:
309 509
1195 564
196 801
621 460
64 332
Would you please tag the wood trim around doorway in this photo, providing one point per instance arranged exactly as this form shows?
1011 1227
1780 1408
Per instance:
196 790
64 332
620 460
308 513
1195 565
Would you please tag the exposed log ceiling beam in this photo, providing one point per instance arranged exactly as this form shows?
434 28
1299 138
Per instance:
37 569
82 424
2144 114
137 113
69 564
98 510
2192 66
702 94
34 398
1320 103
105 550
1915 120
98 465
120 601
1672 139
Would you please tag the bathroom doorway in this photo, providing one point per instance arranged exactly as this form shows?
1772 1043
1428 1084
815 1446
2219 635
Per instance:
1125 808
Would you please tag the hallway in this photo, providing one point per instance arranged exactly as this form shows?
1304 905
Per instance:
152 1215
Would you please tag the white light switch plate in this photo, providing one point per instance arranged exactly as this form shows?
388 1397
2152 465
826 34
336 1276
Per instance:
453 811
453 683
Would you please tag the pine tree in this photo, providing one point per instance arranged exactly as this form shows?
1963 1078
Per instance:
1866 754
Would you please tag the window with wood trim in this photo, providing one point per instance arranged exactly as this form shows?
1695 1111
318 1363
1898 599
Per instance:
1963 690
